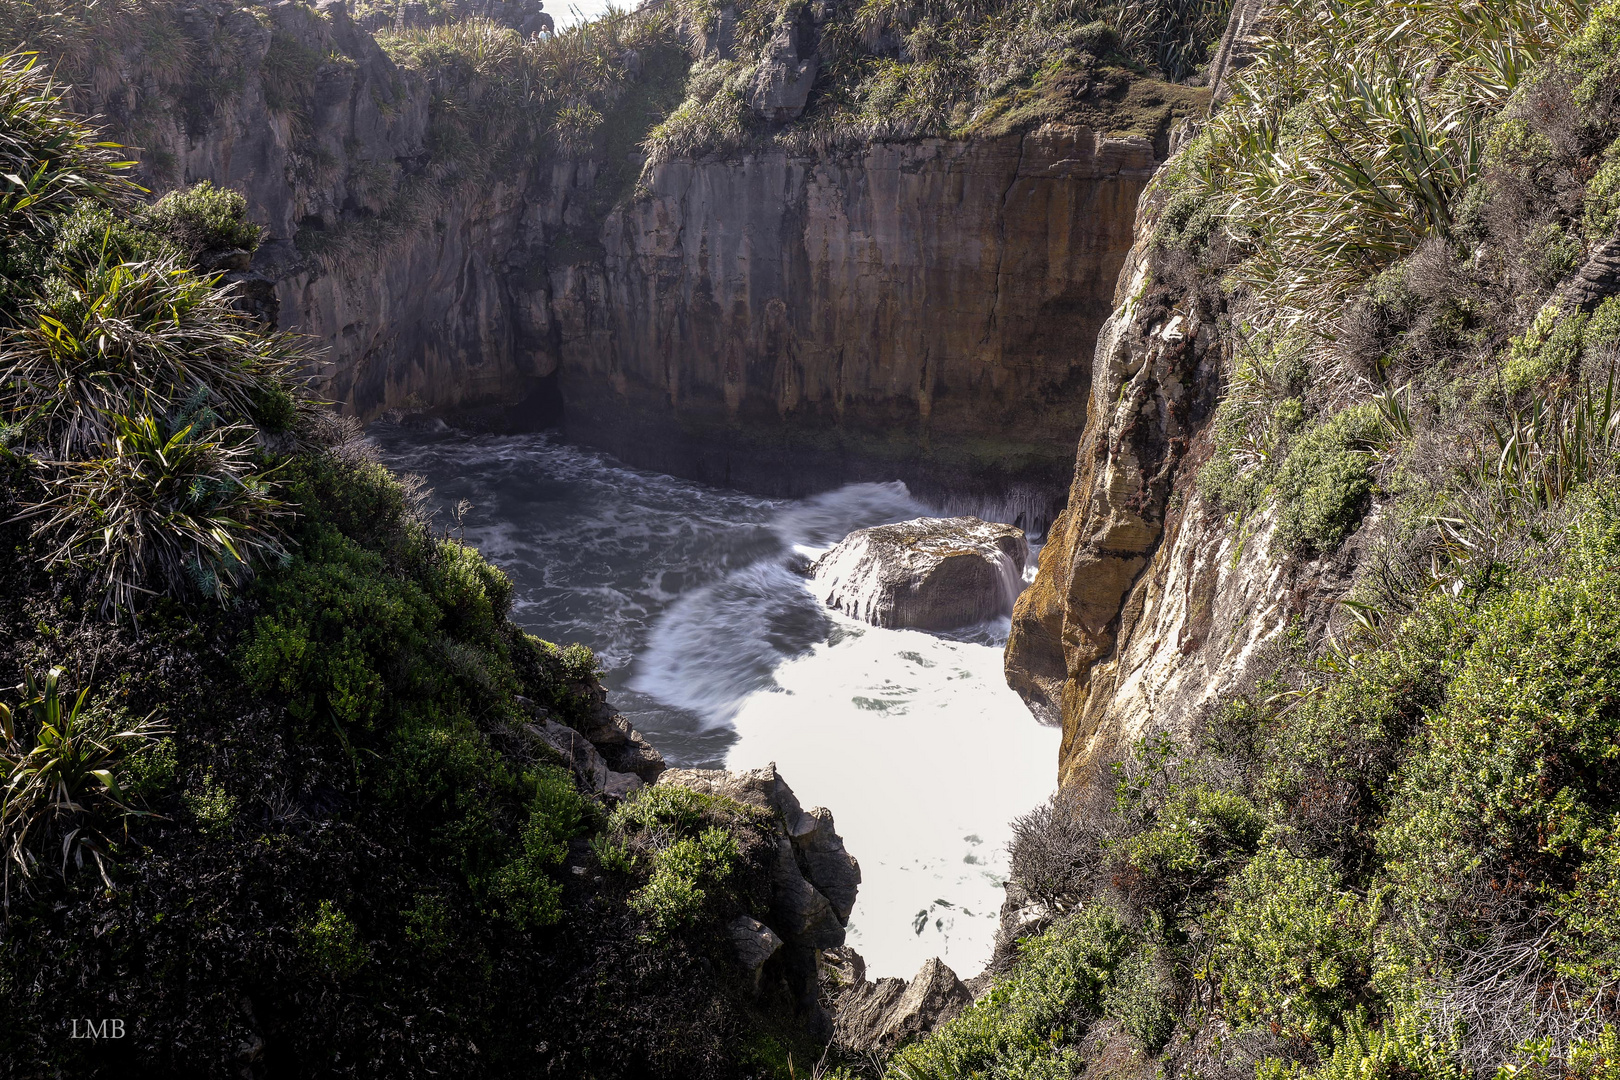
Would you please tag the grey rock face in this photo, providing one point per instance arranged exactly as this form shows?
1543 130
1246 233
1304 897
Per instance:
811 866
927 573
782 85
585 760
1598 279
877 1017
754 942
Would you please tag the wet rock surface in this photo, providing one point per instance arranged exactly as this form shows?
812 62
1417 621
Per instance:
925 574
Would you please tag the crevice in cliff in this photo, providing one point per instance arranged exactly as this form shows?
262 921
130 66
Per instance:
1003 203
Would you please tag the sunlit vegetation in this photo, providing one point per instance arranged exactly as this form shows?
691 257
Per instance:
1389 855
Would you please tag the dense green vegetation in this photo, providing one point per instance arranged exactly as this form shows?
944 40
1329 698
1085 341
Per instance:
271 789
881 71
903 70
1393 856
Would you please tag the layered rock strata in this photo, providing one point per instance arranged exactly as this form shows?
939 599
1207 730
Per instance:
918 310
776 321
879 1017
813 885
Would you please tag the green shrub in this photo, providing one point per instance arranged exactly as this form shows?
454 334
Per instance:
1403 1047
330 939
212 806
523 888
691 841
1508 776
1550 347
1601 213
334 626
1293 947
202 219
1026 1026
428 925
1141 999
674 896
1195 837
149 769
1325 483
1603 330
665 807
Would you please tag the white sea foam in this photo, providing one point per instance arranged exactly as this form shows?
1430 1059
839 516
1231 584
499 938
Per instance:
924 756
715 647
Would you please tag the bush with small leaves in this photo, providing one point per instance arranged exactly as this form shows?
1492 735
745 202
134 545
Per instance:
1325 483
1027 1025
682 870
330 939
1293 947
202 219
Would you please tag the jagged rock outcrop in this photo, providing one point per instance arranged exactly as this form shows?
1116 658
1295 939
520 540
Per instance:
1597 279
609 756
1154 377
782 84
926 573
813 885
879 1017
1146 606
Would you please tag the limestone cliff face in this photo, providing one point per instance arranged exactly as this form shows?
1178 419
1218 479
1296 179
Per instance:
398 272
917 310
779 322
1147 606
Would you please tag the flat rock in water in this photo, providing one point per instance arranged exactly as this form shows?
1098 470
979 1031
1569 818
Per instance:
925 574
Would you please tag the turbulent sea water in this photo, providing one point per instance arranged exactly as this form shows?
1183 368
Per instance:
694 600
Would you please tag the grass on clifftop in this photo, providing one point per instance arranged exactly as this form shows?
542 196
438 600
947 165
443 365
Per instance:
901 71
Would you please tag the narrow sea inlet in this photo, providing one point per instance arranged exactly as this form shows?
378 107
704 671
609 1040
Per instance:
695 602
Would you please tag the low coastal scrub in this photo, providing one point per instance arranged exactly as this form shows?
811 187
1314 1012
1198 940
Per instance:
1391 853
1395 864
898 71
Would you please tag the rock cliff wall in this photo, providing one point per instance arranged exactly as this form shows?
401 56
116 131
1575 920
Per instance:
1147 606
916 310
780 322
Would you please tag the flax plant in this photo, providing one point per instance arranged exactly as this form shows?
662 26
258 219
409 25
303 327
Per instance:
49 159
61 764
162 510
1535 458
1355 133
128 339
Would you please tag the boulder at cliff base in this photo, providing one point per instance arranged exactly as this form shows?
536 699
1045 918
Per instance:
924 574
